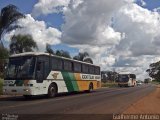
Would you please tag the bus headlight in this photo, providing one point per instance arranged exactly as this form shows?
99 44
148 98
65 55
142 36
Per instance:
4 90
26 90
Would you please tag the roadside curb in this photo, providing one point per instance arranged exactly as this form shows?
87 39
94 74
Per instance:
8 96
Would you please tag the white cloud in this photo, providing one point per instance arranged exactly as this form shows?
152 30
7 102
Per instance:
114 32
49 6
121 29
40 33
141 28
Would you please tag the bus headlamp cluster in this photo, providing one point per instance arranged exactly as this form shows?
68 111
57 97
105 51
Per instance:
26 90
4 90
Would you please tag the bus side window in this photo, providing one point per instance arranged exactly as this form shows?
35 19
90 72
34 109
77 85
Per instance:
97 70
67 65
91 70
85 68
77 67
56 64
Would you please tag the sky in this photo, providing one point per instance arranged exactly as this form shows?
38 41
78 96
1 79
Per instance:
120 35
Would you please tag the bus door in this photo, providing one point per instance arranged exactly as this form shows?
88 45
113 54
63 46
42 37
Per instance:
40 71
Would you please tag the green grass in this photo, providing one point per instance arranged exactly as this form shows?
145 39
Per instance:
155 82
1 84
109 84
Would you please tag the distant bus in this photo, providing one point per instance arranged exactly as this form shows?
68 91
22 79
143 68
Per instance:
34 73
126 79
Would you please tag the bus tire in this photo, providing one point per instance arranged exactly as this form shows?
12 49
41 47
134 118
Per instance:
52 90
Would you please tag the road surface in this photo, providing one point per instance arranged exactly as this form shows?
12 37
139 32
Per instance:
102 101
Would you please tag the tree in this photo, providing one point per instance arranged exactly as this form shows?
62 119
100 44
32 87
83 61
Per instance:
110 76
49 49
83 57
88 60
4 54
8 17
154 70
63 53
22 43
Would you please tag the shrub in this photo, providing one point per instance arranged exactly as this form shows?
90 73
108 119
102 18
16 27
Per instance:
1 85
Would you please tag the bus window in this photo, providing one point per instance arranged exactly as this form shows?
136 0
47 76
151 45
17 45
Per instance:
40 71
56 64
133 76
91 70
85 68
123 78
20 68
43 66
67 65
77 67
97 70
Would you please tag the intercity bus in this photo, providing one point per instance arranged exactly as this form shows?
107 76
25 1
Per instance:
126 79
36 73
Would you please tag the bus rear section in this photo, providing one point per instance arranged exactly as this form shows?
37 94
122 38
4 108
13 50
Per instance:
126 80
43 74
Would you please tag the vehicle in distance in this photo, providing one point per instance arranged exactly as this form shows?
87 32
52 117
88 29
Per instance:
35 73
126 79
139 83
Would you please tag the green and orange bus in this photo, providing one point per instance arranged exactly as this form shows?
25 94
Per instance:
36 73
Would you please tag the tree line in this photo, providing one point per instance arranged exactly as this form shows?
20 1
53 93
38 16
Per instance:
24 43
154 71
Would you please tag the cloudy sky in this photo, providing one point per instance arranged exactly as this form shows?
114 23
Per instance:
121 35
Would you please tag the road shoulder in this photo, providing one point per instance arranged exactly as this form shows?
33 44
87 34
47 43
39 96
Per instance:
147 105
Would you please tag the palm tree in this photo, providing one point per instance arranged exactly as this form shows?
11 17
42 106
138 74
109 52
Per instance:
22 43
88 60
83 57
49 49
8 17
63 53
4 54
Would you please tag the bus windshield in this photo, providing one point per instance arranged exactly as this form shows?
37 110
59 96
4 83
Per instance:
123 78
20 68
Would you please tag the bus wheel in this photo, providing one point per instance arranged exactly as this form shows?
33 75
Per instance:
52 91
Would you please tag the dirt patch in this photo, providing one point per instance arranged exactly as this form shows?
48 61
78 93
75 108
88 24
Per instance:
148 105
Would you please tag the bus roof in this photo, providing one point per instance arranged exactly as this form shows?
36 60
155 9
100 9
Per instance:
125 73
47 54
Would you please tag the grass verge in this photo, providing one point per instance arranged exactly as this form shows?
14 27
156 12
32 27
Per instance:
109 84
1 85
155 82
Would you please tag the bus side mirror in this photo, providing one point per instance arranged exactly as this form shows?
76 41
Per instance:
5 65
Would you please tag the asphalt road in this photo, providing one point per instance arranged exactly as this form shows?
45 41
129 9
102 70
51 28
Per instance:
102 101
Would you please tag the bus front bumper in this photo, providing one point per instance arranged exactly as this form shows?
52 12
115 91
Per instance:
16 90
